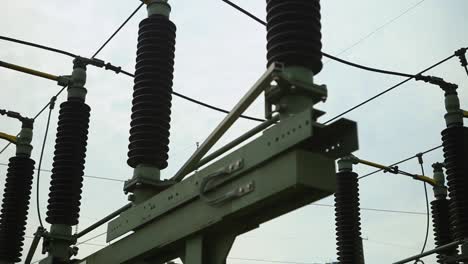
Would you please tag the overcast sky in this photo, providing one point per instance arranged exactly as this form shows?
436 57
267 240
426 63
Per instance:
220 53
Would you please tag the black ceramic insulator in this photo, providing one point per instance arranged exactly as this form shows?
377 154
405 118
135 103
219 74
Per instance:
294 33
151 111
14 213
456 161
348 219
442 228
68 165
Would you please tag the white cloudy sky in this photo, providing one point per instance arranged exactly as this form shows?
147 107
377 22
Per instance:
220 53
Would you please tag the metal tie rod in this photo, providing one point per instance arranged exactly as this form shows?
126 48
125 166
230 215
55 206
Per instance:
103 221
430 252
227 122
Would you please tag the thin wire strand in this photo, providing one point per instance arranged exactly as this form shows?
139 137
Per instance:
245 12
92 238
40 165
118 30
427 212
86 176
380 28
466 70
400 162
214 107
376 210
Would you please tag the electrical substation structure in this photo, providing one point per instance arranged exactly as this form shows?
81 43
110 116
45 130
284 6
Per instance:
228 192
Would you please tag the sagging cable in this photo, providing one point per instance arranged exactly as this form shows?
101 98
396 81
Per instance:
395 170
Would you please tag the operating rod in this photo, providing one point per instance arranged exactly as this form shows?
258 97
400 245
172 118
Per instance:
238 140
29 71
430 252
9 138
103 221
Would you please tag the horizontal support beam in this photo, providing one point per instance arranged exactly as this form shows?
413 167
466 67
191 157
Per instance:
289 181
300 130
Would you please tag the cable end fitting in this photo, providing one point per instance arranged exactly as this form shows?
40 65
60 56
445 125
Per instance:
461 54
64 80
420 158
27 122
446 86
438 166
113 68
52 101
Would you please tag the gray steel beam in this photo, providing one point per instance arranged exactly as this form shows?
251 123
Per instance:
287 182
334 141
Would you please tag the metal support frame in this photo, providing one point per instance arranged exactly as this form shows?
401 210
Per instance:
298 153
290 165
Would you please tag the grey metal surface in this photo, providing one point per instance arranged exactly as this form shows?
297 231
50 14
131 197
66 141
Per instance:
286 182
295 131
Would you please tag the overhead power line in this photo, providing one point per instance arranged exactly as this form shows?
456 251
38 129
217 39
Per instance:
126 73
51 108
117 31
402 161
259 21
388 90
66 53
242 10
409 76
377 210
